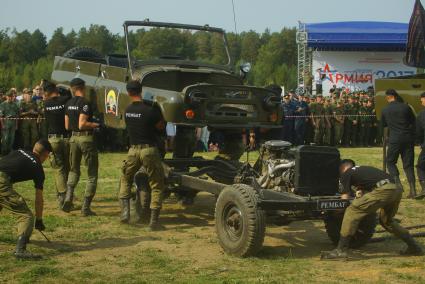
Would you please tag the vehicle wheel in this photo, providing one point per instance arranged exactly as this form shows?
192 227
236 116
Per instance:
83 52
364 233
240 225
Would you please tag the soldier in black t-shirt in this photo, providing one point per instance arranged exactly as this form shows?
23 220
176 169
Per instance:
375 190
144 123
420 137
78 116
398 117
22 165
54 112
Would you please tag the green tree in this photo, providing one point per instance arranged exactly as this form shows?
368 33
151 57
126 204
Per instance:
97 37
59 43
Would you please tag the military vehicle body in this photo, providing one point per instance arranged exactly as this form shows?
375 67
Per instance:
285 185
408 87
188 92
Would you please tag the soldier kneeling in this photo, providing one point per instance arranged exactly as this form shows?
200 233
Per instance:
22 165
381 194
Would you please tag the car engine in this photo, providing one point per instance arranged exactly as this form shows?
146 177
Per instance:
276 165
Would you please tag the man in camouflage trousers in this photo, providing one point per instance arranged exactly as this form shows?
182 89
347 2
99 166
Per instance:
144 123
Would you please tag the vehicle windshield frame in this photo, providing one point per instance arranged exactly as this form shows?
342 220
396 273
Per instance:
147 23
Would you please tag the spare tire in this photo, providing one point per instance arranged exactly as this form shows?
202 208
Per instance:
363 234
81 52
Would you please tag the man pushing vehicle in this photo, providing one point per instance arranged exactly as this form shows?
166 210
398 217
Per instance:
18 166
375 190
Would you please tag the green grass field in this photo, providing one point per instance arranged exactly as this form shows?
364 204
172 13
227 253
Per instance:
101 250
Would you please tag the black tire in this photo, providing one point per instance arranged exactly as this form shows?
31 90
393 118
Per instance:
239 223
83 52
363 235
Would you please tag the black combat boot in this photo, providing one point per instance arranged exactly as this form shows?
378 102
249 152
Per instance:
341 251
422 194
21 249
69 197
61 199
85 209
142 207
413 247
154 224
125 210
412 188
398 182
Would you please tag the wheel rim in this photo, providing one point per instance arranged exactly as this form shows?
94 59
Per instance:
233 221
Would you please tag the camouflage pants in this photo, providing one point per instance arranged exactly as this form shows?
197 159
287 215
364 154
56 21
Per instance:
12 201
319 129
339 129
150 160
327 139
59 160
29 133
386 199
83 147
7 139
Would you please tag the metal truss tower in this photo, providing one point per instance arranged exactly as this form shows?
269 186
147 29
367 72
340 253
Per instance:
304 57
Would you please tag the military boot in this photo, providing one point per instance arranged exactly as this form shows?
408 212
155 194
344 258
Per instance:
21 249
398 182
412 188
61 199
141 204
69 197
85 209
422 194
125 210
154 224
413 247
341 251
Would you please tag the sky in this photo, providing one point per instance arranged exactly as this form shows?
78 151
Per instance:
257 15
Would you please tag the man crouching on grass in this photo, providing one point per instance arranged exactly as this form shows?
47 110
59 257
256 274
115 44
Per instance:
22 165
377 192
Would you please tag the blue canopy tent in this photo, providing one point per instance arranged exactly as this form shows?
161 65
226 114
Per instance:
374 36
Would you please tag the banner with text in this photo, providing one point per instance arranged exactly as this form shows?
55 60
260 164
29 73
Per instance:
357 70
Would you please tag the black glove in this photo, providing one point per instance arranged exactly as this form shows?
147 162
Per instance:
39 225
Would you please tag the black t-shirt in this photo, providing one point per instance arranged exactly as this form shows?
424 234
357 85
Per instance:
141 119
362 176
400 120
74 107
54 112
23 165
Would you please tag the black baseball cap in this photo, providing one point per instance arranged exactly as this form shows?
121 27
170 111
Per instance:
77 82
134 86
423 95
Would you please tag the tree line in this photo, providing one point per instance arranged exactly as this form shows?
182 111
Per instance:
26 58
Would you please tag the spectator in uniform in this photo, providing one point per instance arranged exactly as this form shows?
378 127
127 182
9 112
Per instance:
399 119
288 119
29 113
9 111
